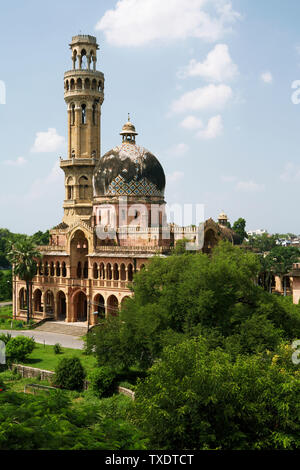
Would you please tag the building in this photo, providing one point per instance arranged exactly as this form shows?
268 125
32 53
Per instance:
114 212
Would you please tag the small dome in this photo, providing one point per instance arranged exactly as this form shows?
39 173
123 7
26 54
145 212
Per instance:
128 128
222 216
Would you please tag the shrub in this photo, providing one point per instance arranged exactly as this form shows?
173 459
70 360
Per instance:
69 374
2 386
101 381
17 349
57 348
5 337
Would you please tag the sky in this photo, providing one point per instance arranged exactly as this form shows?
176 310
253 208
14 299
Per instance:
211 86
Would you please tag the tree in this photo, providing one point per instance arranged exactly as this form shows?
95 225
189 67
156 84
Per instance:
239 228
195 398
23 255
184 296
69 374
17 349
263 243
280 261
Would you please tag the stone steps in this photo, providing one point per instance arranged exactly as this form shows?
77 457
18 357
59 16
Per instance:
62 328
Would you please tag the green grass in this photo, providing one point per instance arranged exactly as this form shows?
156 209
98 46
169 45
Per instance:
43 357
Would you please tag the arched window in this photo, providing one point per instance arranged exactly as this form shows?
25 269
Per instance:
95 271
99 86
94 113
87 84
83 187
73 114
52 269
94 84
40 269
79 84
123 272
102 271
86 270
46 272
116 272
72 84
79 270
58 269
108 272
83 114
130 272
64 270
70 186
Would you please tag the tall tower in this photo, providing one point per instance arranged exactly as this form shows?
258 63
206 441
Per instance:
84 95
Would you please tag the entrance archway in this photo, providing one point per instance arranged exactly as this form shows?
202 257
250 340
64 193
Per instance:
99 306
49 303
80 307
37 301
61 306
112 305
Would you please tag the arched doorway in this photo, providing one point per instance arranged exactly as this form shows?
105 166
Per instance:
99 306
112 305
61 306
124 300
80 307
37 301
49 303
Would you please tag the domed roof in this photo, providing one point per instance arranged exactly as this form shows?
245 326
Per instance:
222 216
129 170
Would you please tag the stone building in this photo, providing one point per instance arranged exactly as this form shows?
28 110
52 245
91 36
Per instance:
114 212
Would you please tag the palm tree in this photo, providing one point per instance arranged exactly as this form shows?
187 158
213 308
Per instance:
23 255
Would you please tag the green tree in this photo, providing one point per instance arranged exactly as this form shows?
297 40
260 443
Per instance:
69 374
194 398
280 261
18 349
23 255
239 228
263 243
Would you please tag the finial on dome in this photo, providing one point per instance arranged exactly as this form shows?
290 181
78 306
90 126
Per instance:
128 132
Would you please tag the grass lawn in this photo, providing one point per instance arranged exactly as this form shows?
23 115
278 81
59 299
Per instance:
6 321
43 357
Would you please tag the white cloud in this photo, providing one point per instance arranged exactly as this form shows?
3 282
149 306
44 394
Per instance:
217 67
136 22
191 123
178 150
290 173
213 129
20 161
48 141
249 186
51 184
267 77
208 97
175 176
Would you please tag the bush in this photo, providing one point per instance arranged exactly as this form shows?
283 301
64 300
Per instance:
2 386
57 348
101 381
69 374
17 349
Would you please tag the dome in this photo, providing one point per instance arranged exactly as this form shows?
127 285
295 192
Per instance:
223 216
129 170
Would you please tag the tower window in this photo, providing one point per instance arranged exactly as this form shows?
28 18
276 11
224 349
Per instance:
83 114
73 114
94 113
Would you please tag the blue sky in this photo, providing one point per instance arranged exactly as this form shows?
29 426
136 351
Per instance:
208 84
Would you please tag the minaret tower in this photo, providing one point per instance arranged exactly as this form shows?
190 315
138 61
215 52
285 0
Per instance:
84 95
